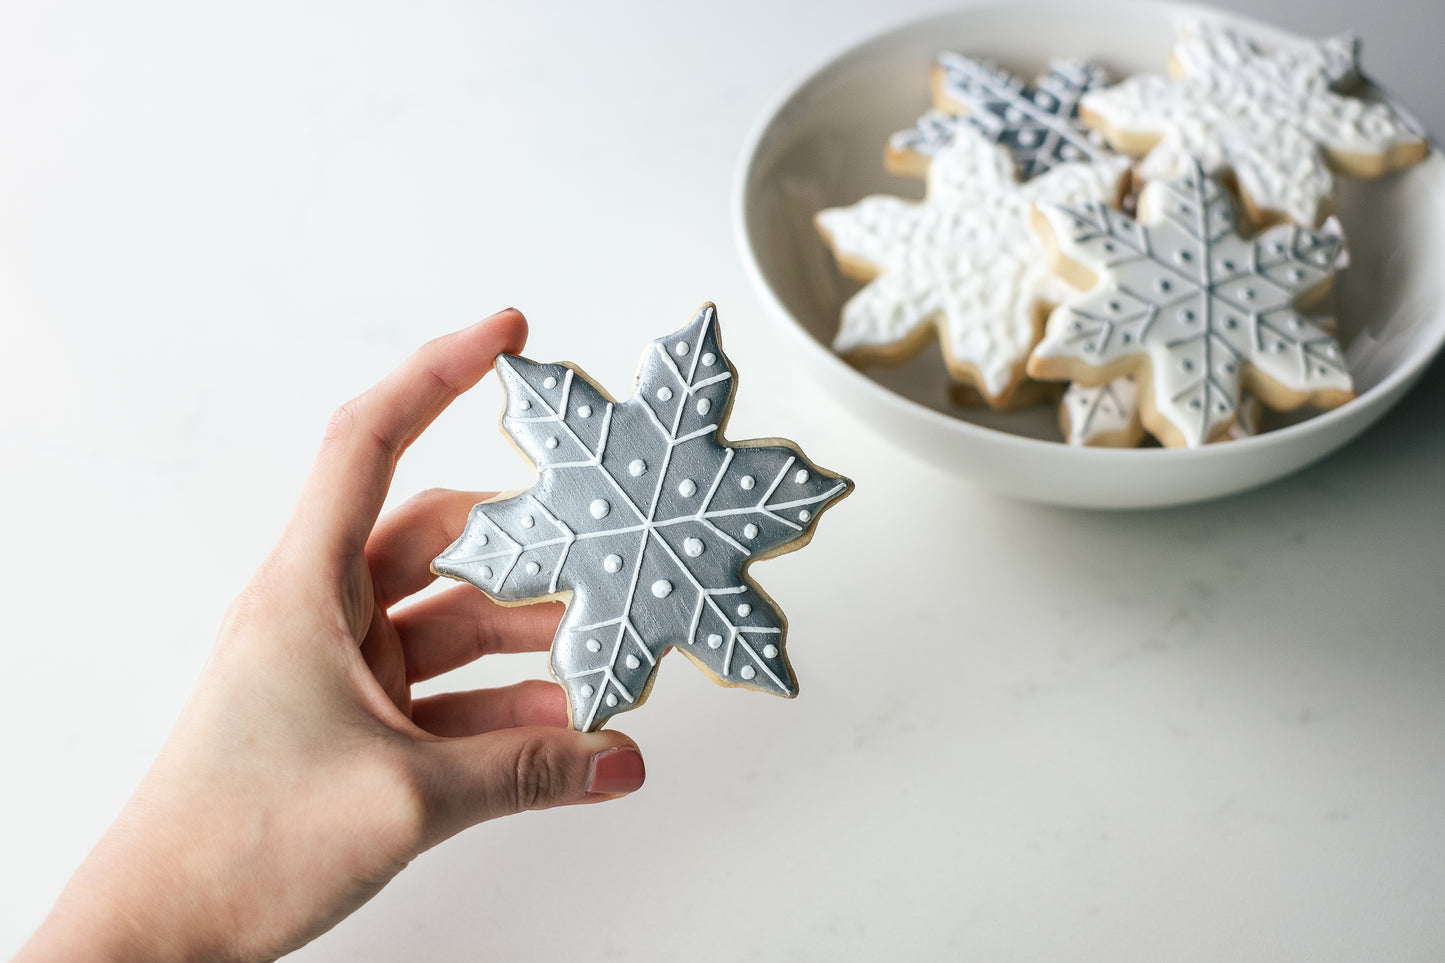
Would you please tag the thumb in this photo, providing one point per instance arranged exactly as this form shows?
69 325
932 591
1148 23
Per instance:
509 771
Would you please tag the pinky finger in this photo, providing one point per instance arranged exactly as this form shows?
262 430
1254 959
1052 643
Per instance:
452 714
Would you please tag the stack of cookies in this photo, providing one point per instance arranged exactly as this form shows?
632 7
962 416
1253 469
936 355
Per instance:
1154 256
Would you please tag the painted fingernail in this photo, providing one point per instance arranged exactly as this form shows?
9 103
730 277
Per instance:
615 772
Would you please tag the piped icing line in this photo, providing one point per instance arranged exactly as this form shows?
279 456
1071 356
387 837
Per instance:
1039 124
963 261
1191 307
648 519
1279 121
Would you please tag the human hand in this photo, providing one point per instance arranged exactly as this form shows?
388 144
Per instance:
301 776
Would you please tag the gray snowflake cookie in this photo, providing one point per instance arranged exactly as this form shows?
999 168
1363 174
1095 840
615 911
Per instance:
1039 124
645 520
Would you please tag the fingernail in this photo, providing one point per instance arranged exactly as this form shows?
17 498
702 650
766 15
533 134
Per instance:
615 772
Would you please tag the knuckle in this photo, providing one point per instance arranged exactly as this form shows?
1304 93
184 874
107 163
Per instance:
343 422
542 775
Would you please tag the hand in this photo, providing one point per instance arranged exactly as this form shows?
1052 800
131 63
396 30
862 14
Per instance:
301 776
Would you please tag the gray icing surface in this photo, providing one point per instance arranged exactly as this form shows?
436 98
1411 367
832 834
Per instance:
1039 125
649 517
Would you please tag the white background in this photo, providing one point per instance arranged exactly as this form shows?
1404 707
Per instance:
1024 733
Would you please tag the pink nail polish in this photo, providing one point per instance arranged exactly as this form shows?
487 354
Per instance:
615 772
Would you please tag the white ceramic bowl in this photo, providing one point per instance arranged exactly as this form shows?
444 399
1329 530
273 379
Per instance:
823 145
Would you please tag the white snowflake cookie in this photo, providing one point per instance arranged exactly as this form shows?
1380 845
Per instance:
1107 415
1278 121
1039 123
645 520
962 266
1194 310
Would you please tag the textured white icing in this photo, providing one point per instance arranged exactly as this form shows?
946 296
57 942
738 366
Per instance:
1265 116
1183 289
963 259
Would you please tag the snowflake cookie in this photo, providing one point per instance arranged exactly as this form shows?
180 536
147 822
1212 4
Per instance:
1039 125
646 520
1278 121
1197 312
963 262
1107 415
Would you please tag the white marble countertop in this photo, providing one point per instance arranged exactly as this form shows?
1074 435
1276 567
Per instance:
1024 733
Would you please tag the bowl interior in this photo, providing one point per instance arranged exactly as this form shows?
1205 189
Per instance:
823 147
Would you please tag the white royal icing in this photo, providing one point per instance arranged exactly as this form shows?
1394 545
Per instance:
1264 116
963 259
1109 409
1181 288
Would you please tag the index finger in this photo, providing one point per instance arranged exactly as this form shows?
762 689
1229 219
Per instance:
348 483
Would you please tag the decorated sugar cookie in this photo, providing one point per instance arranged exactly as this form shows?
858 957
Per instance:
1104 416
1107 415
646 519
963 263
1039 124
1279 121
1197 312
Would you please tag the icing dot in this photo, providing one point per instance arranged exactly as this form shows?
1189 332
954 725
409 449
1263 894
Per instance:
533 568
713 641
709 359
632 662
1125 337
664 393
662 588
1294 274
528 521
745 610
1295 323
1163 285
750 530
747 672
1183 257
584 411
770 651
586 690
1186 315
599 508
1277 346
637 467
1108 247
1231 322
1115 307
1076 326
681 348
550 442
1226 265
703 406
593 645
524 405
1247 294
801 476
549 382
692 547
484 572
1194 403
687 488
482 539
747 482
1186 365
611 699
804 515
1221 407
1088 346
612 563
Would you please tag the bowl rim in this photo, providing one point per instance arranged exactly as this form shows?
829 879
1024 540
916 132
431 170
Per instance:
1363 407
